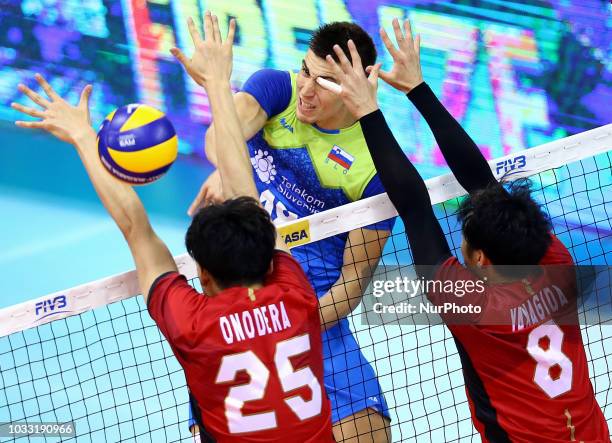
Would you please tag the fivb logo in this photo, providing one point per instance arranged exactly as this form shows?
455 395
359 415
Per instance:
511 166
50 306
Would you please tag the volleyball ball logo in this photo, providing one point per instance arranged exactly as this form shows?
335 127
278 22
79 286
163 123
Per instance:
137 144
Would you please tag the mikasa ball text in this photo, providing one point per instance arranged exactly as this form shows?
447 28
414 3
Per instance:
137 144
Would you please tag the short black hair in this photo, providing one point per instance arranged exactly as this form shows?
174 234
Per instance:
507 224
339 33
234 241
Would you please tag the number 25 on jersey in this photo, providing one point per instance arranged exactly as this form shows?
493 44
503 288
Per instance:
256 388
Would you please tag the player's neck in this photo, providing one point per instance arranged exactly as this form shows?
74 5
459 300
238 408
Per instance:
495 278
340 121
213 290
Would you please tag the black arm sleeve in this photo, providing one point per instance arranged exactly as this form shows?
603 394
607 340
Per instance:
406 190
460 152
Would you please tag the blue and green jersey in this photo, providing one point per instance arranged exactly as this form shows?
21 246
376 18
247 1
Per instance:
301 169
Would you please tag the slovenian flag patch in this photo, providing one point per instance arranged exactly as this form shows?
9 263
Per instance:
340 156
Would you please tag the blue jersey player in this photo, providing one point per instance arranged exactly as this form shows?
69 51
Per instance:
309 155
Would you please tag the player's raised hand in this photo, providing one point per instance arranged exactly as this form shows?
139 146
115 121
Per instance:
357 91
406 72
212 57
211 192
58 117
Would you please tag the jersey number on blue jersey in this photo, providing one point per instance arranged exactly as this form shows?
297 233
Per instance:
276 208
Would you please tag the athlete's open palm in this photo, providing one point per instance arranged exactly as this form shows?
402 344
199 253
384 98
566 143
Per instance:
57 116
212 57
357 91
406 71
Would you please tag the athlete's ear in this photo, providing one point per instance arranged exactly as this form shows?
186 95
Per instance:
270 268
482 259
206 280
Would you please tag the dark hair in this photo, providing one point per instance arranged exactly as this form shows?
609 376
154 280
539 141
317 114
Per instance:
507 224
339 33
234 241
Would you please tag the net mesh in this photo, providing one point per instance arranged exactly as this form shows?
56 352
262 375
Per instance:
111 371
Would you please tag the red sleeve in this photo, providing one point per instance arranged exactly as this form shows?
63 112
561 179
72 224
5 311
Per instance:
286 271
557 253
175 306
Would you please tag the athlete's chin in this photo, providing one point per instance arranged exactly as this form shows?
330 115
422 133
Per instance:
306 118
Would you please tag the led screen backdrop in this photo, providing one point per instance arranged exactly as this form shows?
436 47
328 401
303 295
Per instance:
516 74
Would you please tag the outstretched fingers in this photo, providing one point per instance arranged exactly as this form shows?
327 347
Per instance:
334 67
84 99
216 32
415 42
408 29
329 85
36 113
417 46
231 32
209 34
180 56
373 73
389 44
35 125
385 75
193 31
345 64
35 97
47 87
399 35
355 57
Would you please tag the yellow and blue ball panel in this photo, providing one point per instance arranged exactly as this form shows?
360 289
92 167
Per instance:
137 143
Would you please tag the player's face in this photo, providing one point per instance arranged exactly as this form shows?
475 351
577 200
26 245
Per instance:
316 104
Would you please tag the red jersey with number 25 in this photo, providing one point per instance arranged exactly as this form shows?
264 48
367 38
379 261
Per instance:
252 359
527 377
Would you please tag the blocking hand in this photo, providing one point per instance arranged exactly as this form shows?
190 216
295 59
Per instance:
357 91
406 72
66 122
212 57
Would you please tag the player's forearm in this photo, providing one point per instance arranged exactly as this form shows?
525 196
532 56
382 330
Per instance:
233 161
341 300
210 148
119 199
406 190
460 152
361 255
401 180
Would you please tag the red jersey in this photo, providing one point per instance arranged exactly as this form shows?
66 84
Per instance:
252 359
526 377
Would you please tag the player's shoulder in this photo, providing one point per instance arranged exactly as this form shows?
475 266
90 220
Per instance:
449 268
557 253
269 75
168 282
273 89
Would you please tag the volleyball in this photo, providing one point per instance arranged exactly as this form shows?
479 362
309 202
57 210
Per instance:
137 144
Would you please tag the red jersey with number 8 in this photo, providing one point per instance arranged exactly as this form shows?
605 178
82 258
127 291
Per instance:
524 364
252 359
